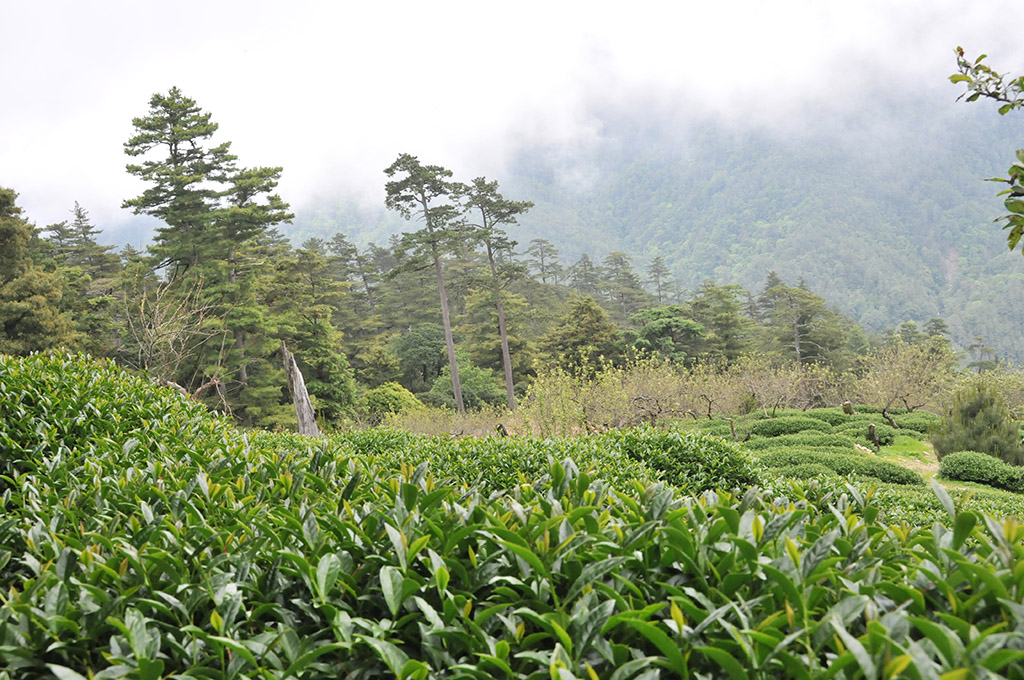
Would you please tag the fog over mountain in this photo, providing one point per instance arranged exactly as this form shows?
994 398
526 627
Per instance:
883 211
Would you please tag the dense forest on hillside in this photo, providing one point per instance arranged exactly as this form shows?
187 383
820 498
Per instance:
459 311
889 221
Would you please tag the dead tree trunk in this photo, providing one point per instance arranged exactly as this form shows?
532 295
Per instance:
300 397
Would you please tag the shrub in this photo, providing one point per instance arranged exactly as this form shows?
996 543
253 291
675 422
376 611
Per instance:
831 415
919 421
974 466
692 461
843 464
388 398
805 471
979 421
801 439
886 433
773 427
719 428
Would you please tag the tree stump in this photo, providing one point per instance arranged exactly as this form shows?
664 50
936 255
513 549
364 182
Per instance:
300 397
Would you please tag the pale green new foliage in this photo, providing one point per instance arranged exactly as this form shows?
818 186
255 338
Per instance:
143 539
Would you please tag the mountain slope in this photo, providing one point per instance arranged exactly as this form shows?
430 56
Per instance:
883 212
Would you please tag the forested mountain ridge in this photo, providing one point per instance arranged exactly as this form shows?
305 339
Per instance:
884 212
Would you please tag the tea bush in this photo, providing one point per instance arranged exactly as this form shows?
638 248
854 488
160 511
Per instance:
973 466
864 465
176 547
886 433
773 427
801 439
805 471
919 421
832 415
691 461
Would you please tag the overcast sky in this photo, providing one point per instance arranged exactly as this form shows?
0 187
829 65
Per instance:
334 91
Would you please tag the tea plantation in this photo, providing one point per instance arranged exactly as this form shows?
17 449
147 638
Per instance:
143 538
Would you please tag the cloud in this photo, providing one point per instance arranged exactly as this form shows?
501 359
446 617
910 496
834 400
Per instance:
334 91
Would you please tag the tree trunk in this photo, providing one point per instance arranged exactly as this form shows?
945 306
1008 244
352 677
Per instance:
506 358
300 397
448 339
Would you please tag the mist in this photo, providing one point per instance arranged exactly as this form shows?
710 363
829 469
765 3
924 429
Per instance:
333 92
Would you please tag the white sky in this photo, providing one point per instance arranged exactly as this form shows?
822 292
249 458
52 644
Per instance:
334 91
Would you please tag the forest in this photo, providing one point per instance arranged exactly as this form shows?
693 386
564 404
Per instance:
453 313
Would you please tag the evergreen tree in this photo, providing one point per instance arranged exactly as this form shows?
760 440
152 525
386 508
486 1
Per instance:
582 339
185 177
622 287
88 271
30 297
980 421
659 278
426 191
727 332
544 260
219 235
493 210
585 277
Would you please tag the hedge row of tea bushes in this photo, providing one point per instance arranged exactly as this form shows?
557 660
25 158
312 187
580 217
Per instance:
973 466
175 547
825 442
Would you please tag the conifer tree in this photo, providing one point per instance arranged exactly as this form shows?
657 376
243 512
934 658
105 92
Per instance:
30 297
494 210
426 191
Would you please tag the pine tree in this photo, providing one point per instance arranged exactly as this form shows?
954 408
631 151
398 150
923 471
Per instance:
493 210
185 177
980 421
659 278
582 339
30 297
426 192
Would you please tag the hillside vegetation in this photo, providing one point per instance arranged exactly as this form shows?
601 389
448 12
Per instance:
888 220
144 538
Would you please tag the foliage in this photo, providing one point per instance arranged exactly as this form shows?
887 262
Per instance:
801 439
387 399
479 387
196 551
861 429
805 471
978 420
923 422
773 427
844 464
974 466
982 81
691 461
582 339
30 297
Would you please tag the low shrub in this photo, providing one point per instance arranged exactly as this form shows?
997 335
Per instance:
719 428
919 421
831 415
804 438
805 471
886 433
691 461
387 399
919 506
844 464
973 466
773 427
